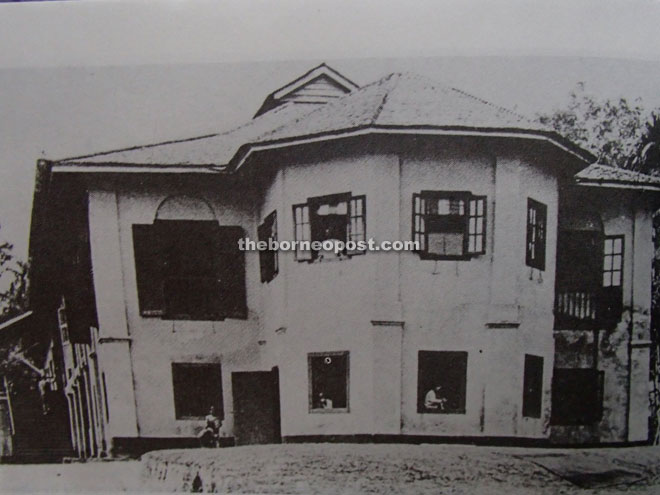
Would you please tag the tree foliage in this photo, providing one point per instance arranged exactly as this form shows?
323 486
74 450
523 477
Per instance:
14 283
610 129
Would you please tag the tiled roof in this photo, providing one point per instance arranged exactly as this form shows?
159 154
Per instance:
398 101
598 174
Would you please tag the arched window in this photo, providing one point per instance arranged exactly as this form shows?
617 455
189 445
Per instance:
188 266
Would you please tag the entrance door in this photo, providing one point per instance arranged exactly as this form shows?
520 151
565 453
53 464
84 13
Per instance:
256 407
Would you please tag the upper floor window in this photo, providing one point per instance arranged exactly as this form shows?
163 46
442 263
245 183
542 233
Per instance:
611 305
189 269
337 217
537 215
268 259
449 225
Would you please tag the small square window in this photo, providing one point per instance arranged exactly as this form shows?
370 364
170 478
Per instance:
533 386
441 382
449 225
537 214
197 389
328 381
268 259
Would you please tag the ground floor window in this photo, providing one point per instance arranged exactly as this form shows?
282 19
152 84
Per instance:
197 389
441 380
577 396
328 381
532 386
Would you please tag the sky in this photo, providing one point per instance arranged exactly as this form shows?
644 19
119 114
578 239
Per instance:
83 76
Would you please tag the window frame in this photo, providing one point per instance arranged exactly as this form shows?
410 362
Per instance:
421 217
612 255
268 269
535 409
421 393
150 246
310 391
599 389
537 257
218 403
304 221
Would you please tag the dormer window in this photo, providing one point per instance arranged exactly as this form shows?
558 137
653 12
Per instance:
449 224
337 217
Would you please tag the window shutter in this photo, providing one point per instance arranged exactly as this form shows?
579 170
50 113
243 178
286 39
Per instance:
477 225
419 221
356 223
231 273
302 231
268 262
149 270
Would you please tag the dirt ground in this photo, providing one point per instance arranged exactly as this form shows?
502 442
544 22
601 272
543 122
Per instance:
349 469
396 469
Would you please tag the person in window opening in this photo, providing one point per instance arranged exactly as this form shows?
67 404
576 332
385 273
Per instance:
433 401
210 434
334 227
324 402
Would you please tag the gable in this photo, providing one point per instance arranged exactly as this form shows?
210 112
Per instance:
317 86
319 90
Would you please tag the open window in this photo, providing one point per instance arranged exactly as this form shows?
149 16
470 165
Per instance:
441 382
328 381
449 225
577 396
268 259
337 217
197 389
532 386
537 215
190 270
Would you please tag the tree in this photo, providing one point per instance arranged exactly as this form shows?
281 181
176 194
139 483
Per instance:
14 281
610 129
646 158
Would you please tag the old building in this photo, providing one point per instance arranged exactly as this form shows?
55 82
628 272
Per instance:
523 316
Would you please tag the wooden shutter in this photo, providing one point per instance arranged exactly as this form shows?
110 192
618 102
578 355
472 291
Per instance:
357 225
148 270
268 262
302 231
419 221
477 225
232 295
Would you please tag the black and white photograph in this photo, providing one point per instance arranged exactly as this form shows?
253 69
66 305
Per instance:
330 247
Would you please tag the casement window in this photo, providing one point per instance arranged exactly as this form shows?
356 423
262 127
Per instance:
441 382
190 270
268 259
611 304
449 225
577 396
328 381
532 386
537 215
197 387
62 321
339 217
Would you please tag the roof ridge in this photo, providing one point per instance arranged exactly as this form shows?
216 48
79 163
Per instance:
486 102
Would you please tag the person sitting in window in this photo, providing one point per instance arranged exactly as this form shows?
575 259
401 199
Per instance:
432 400
210 434
324 402
332 222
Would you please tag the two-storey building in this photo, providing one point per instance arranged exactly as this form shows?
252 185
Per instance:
523 315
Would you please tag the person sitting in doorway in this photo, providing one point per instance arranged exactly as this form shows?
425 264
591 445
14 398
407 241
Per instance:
433 401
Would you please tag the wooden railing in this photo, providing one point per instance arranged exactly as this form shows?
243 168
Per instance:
573 306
